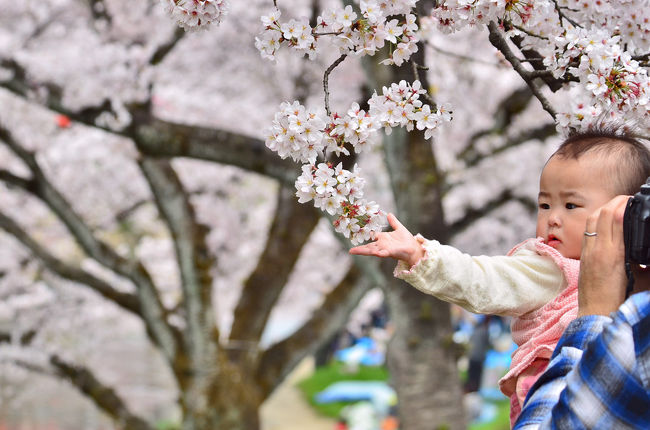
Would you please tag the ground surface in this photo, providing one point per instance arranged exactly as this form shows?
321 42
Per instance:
287 409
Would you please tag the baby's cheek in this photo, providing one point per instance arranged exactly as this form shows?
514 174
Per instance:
574 249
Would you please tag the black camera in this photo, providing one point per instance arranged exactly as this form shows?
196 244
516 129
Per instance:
636 227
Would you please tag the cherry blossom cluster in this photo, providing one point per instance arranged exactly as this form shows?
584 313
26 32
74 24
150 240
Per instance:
195 15
629 19
589 44
339 192
612 81
544 19
306 137
452 15
400 105
296 133
362 33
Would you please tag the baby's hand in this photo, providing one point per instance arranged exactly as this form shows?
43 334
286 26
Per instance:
399 244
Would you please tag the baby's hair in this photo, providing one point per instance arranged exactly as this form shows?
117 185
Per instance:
630 157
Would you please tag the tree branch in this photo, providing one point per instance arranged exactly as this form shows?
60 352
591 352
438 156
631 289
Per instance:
167 139
291 227
153 313
25 339
528 32
326 78
562 15
473 157
161 53
103 396
15 181
159 138
277 361
126 301
193 257
533 58
22 86
473 215
508 109
499 42
458 56
83 379
18 83
512 105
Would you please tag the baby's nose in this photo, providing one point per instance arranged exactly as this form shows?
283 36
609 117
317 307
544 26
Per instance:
554 219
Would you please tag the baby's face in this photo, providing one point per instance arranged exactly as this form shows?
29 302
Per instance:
569 191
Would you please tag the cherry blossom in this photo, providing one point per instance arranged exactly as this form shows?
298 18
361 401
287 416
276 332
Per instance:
338 192
352 33
589 45
306 137
195 15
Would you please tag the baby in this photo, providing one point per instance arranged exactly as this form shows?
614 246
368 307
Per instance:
536 283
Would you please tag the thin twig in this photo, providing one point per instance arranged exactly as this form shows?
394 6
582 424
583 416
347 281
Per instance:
461 56
563 16
425 95
416 75
326 82
330 33
528 32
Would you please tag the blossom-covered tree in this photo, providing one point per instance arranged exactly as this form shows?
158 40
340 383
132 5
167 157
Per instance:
137 187
584 62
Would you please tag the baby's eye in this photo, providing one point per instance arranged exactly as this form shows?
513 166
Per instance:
571 206
544 206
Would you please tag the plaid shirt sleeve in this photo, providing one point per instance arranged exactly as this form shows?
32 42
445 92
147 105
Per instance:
598 376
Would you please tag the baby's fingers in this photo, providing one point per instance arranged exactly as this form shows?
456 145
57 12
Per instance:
361 250
372 248
394 222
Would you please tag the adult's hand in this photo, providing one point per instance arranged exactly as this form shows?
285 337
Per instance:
399 244
601 288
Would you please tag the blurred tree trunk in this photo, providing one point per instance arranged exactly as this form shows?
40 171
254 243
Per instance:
421 355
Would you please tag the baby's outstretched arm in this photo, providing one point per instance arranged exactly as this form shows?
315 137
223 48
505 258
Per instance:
399 244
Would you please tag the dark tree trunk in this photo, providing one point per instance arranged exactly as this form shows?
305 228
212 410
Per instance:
421 359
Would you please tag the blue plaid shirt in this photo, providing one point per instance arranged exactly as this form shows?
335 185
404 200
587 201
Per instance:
599 375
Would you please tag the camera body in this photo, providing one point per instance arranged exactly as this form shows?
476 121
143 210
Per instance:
636 227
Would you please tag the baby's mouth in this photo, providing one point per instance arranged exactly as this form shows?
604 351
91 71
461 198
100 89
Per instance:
553 240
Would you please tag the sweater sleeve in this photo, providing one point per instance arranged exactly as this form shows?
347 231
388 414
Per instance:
500 285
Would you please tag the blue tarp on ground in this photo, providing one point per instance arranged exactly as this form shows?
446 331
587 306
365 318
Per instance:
351 391
364 351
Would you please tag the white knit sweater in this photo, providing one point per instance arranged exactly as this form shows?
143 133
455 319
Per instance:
499 285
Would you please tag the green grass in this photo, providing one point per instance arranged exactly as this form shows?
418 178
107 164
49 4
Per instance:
334 372
500 422
167 425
